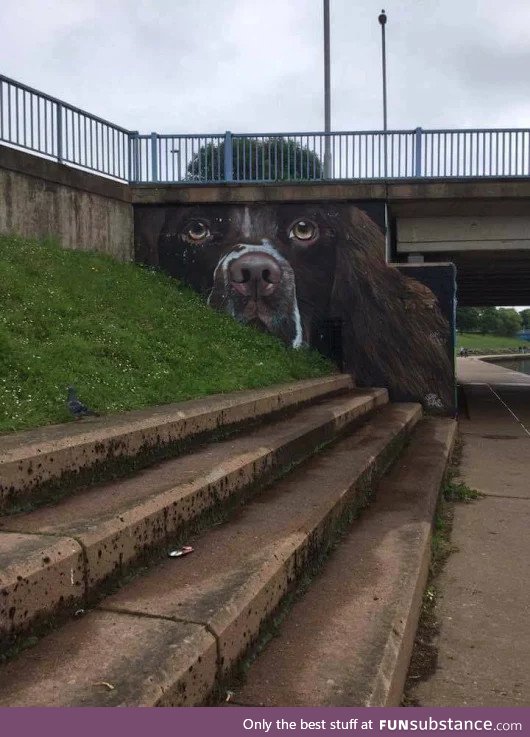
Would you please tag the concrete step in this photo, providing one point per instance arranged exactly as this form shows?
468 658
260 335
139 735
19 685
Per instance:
39 463
348 640
55 557
171 636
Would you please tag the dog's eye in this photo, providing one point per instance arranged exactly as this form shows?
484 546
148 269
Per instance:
197 231
304 230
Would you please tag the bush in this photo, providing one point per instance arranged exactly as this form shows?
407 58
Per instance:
254 159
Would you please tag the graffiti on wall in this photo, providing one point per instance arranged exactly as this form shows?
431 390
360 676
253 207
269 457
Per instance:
291 269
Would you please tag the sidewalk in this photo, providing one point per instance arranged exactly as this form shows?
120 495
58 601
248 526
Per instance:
484 604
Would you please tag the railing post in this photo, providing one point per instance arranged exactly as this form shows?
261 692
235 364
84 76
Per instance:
327 155
154 157
60 133
417 163
133 156
385 153
229 158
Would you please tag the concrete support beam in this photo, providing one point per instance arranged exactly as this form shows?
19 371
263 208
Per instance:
457 233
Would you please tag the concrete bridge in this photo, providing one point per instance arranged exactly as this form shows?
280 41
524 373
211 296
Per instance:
480 224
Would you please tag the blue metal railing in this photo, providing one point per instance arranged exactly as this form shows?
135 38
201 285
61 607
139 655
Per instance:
49 127
355 155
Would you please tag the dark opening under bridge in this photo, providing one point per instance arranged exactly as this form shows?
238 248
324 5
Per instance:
451 195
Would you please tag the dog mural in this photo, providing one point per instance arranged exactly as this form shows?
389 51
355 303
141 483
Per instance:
289 268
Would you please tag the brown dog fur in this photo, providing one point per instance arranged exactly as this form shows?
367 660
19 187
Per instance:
393 333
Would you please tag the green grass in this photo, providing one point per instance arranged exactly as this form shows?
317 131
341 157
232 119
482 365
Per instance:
127 337
488 343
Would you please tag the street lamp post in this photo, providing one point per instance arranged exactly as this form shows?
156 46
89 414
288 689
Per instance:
382 20
179 171
327 94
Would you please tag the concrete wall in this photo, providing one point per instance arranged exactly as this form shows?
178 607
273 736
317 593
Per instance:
457 233
406 198
85 212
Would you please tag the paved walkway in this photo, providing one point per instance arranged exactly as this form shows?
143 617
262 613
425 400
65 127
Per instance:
484 607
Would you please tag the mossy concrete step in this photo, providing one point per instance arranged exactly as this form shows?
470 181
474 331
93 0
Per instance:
102 530
173 635
38 462
348 640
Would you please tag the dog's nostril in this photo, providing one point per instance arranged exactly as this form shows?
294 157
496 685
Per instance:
255 268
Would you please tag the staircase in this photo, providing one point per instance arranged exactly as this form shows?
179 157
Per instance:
265 485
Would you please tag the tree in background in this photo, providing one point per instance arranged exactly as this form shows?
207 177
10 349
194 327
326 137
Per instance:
509 322
489 320
468 319
525 319
275 158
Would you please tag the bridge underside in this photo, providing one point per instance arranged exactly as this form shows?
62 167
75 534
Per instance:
484 230
500 278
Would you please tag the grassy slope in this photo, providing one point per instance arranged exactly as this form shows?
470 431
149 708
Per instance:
489 343
125 336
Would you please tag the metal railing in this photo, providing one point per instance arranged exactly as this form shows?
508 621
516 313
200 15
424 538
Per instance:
354 155
49 127
45 125
178 158
273 157
475 153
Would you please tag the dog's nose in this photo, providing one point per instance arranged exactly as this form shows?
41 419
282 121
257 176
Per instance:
255 274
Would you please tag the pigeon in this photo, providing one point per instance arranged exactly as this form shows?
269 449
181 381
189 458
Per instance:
77 408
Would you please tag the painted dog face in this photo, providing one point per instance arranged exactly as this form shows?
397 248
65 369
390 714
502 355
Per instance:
271 266
290 268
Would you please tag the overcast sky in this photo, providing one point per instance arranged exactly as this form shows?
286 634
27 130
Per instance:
256 65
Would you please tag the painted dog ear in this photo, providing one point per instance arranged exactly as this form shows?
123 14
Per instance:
393 334
360 268
359 264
